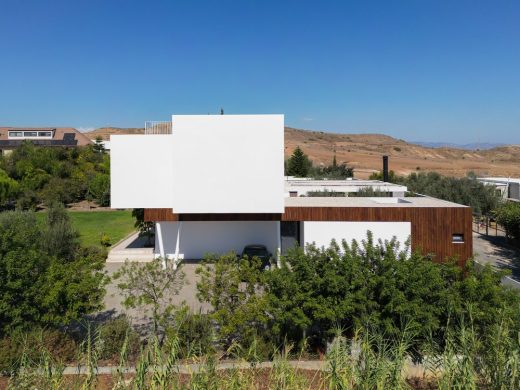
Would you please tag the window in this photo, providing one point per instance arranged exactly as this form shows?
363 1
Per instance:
44 133
457 238
15 134
293 194
30 134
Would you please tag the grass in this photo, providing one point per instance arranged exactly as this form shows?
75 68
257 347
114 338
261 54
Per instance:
91 224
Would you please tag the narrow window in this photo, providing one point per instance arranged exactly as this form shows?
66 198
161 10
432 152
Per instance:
293 194
457 238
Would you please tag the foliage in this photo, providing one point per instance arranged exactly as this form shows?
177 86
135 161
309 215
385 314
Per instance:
8 189
54 174
114 333
47 279
231 287
508 215
298 164
146 228
151 287
467 190
333 171
368 192
104 240
58 344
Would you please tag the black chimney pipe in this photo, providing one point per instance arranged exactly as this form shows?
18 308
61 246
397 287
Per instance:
385 168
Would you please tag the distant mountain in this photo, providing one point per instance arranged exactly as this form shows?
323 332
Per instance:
473 146
363 152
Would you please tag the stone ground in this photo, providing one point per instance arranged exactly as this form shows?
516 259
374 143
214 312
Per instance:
188 294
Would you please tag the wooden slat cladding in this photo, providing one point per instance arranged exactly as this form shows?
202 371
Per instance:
167 215
432 227
154 215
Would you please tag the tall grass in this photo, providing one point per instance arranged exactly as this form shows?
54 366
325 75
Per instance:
368 360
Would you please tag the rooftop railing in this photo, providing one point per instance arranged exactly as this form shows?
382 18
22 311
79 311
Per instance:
157 127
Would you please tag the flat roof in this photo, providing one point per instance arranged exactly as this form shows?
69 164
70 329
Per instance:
342 183
499 180
418 201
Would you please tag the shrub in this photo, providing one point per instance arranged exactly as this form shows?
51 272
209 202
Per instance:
59 345
508 215
113 334
105 240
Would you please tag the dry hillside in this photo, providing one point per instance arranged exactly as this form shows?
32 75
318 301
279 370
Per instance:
364 151
105 132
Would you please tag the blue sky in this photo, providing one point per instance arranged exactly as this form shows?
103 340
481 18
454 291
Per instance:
422 70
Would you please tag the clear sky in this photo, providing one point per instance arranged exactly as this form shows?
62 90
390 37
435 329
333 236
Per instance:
421 70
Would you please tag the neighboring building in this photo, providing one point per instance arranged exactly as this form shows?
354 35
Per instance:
12 137
303 186
214 183
508 188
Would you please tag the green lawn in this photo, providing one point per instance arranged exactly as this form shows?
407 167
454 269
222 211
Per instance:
90 224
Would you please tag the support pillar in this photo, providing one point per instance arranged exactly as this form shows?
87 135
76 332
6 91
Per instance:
177 245
158 231
278 244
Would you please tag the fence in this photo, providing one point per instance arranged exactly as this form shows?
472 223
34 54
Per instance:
484 224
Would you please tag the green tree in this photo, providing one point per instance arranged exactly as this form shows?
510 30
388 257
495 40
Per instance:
233 289
8 189
152 288
41 283
298 164
508 215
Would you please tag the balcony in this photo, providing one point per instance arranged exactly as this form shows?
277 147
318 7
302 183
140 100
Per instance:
157 127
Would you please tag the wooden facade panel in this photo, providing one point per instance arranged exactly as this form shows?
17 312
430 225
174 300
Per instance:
432 227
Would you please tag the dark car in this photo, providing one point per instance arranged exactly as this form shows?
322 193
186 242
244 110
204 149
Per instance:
259 251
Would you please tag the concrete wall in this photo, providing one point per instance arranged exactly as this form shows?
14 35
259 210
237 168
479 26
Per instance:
321 233
514 191
200 238
228 163
140 171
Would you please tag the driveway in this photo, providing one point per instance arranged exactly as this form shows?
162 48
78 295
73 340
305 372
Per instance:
188 294
497 252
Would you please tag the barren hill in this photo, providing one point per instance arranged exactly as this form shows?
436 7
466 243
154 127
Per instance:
364 152
106 132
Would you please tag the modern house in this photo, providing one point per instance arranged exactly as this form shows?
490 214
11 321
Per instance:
12 137
215 183
508 188
306 187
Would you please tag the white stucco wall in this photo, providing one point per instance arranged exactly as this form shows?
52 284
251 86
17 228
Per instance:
141 171
228 163
200 238
321 233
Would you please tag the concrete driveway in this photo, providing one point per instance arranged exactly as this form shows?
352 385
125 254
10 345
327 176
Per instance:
497 252
188 294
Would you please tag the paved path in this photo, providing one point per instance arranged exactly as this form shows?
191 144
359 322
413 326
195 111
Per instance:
188 294
497 252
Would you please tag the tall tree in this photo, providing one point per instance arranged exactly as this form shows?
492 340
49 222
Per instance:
298 164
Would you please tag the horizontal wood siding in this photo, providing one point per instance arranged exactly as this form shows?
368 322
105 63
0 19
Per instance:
432 227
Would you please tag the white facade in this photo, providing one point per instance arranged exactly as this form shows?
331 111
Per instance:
301 187
208 164
140 171
197 239
228 163
321 233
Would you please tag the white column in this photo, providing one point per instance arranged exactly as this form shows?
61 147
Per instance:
158 231
278 244
177 245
